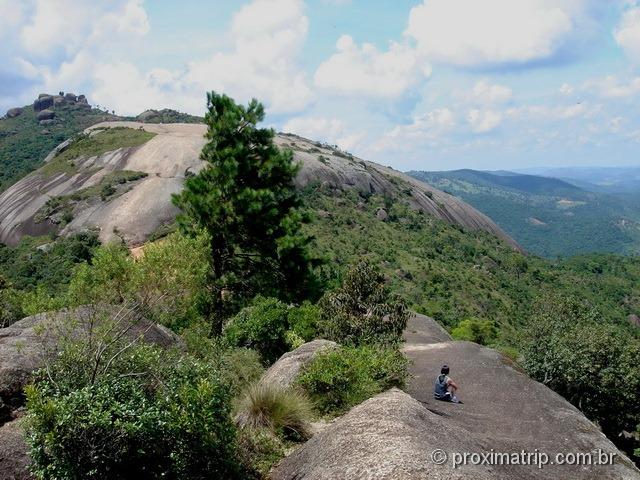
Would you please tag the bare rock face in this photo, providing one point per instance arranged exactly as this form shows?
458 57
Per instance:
390 436
21 346
173 154
288 366
70 97
394 435
43 102
13 452
14 112
342 171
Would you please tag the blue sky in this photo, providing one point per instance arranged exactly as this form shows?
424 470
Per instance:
431 84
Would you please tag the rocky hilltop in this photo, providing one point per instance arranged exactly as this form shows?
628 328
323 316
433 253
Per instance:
134 213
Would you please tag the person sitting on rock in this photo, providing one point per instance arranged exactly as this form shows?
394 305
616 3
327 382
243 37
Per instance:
445 388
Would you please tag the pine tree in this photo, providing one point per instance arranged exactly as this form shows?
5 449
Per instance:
246 200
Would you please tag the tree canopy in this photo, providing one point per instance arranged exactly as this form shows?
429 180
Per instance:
246 201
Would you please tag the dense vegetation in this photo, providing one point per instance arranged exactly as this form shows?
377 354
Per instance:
167 115
24 143
547 216
104 140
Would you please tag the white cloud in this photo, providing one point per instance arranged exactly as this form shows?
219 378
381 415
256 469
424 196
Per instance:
472 33
426 128
267 37
11 15
330 130
612 87
483 121
627 33
487 93
566 89
73 44
364 70
547 113
73 25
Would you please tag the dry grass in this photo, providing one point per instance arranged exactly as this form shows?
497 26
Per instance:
281 410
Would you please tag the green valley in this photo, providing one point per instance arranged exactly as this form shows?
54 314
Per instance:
548 216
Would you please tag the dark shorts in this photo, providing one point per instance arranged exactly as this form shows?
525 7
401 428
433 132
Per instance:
445 398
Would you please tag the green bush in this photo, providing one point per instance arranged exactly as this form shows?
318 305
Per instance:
363 310
285 412
261 326
162 419
304 321
10 306
339 379
258 451
475 330
593 365
240 368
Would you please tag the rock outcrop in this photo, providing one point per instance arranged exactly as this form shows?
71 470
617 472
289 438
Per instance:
46 115
22 352
171 155
288 366
634 320
14 112
14 459
393 435
43 102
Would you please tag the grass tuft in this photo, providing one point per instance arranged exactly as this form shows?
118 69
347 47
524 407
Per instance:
281 410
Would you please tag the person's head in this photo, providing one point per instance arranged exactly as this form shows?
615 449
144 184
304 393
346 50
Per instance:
444 370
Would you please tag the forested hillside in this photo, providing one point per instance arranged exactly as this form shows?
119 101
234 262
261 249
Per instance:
548 216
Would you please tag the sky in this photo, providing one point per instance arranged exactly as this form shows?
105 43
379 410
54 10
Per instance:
417 85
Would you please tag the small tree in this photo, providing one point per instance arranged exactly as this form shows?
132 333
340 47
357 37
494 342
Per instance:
246 200
363 310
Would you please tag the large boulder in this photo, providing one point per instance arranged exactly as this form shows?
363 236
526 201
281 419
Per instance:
14 458
46 115
70 97
390 436
394 437
634 320
43 102
24 344
288 366
14 112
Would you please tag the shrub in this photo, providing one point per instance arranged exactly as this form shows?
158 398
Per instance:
10 306
339 379
106 406
240 367
261 326
258 450
176 424
363 310
593 365
304 321
475 330
285 412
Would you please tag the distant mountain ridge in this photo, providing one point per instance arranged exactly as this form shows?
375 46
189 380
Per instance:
510 180
548 216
